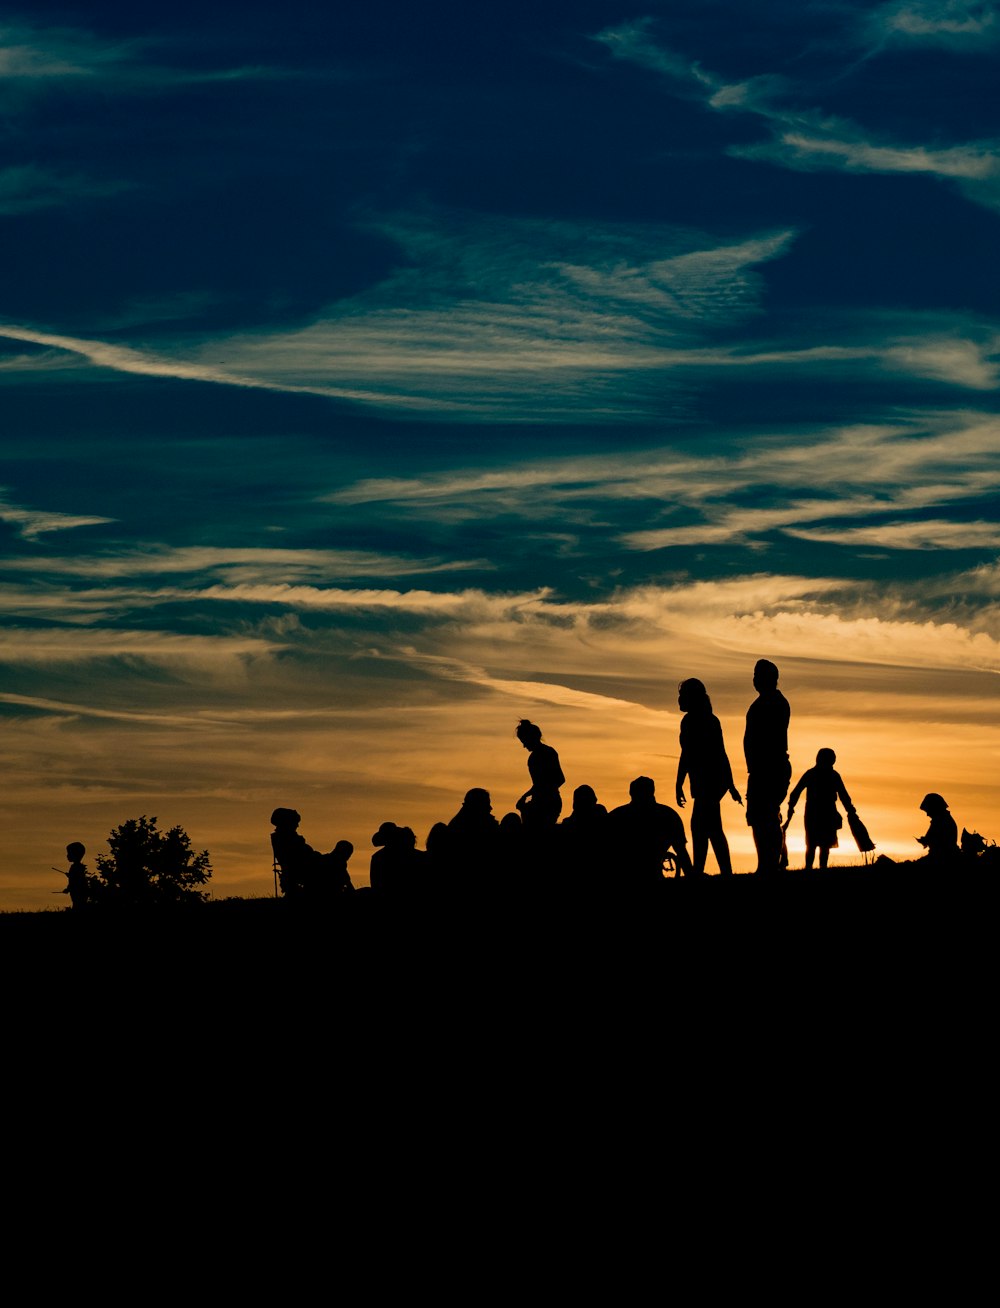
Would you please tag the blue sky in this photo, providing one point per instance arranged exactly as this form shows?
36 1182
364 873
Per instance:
372 377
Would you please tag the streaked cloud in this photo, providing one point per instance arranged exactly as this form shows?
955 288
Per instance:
842 147
61 709
970 25
246 565
122 358
611 339
867 474
925 534
73 645
31 523
804 137
38 58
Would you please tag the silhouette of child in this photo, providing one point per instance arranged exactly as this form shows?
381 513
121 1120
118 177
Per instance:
76 877
823 787
941 837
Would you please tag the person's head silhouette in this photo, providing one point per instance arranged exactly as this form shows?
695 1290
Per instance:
584 799
825 758
477 800
387 834
643 790
765 675
692 696
933 803
528 734
285 819
75 851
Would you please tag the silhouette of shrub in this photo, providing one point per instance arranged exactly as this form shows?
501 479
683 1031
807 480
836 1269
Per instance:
149 867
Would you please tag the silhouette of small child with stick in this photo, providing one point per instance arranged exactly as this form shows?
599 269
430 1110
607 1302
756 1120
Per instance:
76 877
823 786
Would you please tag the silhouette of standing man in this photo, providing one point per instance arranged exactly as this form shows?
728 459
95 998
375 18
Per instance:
769 771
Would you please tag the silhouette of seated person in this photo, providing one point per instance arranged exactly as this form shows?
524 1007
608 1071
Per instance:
438 847
334 877
76 876
473 836
585 846
941 837
304 873
398 870
645 833
511 845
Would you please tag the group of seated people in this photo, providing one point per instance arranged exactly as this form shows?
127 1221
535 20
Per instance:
634 842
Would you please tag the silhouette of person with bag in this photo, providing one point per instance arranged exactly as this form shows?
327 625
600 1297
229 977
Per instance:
823 786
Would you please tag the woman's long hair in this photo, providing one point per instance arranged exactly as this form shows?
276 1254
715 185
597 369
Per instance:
693 697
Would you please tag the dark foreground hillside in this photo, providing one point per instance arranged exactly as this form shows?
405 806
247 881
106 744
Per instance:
862 989
851 918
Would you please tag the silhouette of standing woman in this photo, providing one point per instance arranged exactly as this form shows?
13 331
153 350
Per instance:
704 759
541 805
765 748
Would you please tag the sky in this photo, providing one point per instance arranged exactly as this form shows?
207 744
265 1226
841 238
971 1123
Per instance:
374 376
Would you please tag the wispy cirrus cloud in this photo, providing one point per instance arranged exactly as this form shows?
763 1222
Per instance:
565 323
245 565
123 358
73 645
840 145
37 58
524 319
805 481
921 534
31 523
490 639
806 139
64 709
963 25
